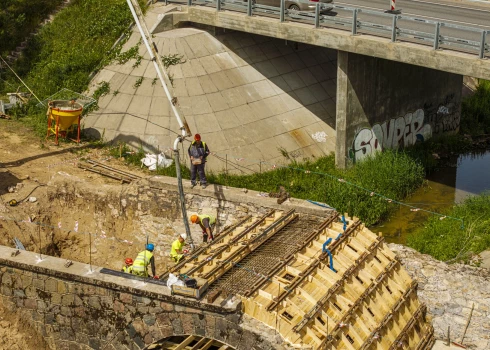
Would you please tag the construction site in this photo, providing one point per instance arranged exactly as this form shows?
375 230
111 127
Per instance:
268 272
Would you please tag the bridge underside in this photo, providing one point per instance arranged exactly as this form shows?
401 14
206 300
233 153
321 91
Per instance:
320 283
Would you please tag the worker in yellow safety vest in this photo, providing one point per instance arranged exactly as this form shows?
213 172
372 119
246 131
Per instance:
128 267
145 258
207 223
176 251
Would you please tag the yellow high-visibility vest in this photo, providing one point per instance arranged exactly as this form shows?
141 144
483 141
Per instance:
212 219
141 262
127 269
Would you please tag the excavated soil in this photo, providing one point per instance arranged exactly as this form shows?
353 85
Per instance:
31 168
16 334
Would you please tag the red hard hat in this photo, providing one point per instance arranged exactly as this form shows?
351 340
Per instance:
128 261
197 137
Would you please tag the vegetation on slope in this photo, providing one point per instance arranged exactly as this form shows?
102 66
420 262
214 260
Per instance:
475 118
66 51
18 18
445 240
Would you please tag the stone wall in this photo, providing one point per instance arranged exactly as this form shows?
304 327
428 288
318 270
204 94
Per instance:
75 308
148 207
450 291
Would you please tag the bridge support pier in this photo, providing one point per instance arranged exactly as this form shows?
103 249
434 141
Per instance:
387 104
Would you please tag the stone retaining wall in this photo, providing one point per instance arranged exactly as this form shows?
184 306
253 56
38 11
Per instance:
75 308
450 291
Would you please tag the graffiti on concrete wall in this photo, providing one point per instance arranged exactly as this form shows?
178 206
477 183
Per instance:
444 117
394 133
407 130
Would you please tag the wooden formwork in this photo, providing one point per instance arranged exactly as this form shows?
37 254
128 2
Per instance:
361 299
342 288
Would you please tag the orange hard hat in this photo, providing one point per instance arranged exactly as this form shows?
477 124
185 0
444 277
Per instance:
194 218
128 261
197 137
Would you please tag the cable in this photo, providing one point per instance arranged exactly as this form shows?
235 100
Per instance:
14 202
138 117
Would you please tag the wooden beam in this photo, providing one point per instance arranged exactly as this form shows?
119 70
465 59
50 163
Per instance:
186 342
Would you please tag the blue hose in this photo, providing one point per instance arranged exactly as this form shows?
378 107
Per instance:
326 250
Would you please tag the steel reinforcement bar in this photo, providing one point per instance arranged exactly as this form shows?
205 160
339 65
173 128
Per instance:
232 241
243 251
201 249
312 266
288 259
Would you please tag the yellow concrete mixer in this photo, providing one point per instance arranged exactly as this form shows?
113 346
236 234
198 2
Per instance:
64 117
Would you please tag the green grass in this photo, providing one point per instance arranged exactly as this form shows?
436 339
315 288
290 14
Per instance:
392 174
475 111
18 18
445 240
67 50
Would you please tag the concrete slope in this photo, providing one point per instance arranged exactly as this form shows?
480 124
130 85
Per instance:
247 95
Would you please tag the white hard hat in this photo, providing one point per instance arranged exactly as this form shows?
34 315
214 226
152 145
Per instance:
184 236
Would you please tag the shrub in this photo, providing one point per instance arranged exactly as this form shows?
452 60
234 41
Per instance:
475 119
446 240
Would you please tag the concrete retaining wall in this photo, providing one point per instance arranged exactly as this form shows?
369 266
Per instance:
385 104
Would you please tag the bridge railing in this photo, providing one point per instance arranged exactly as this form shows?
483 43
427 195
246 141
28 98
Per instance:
398 27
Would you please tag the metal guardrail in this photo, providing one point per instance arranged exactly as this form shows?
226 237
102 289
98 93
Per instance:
324 16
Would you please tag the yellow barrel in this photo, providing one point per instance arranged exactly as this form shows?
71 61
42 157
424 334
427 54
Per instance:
66 111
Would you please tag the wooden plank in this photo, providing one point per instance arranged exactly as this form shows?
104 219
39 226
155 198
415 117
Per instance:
208 345
186 342
200 343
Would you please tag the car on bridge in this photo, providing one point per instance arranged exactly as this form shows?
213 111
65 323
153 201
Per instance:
297 5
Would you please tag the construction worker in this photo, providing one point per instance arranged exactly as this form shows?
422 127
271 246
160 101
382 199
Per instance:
128 267
145 258
176 252
198 152
207 223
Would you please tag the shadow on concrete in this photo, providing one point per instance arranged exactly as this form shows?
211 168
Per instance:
296 47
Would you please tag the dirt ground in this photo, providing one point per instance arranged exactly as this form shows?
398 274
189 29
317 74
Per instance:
26 165
15 334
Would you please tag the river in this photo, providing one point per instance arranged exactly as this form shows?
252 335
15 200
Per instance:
468 174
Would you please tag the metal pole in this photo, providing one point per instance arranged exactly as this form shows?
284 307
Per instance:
90 250
354 21
282 8
218 5
189 3
482 43
393 32
317 15
40 245
392 5
249 8
181 192
157 62
226 169
437 35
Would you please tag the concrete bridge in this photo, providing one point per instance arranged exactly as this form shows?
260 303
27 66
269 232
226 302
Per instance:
251 85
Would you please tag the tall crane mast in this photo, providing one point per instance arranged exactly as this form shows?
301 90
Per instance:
165 81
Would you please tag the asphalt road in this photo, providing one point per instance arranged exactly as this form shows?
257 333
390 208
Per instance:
469 14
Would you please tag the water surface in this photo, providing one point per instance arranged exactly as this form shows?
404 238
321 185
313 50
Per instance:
467 175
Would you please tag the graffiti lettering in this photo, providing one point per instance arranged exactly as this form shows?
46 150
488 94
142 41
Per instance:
398 132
